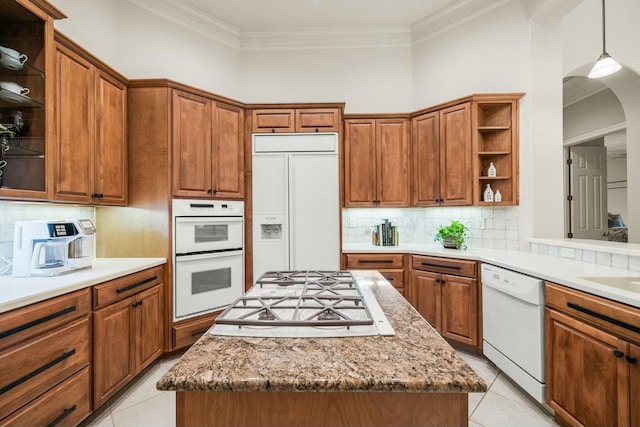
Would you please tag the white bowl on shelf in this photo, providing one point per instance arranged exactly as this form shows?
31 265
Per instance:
11 58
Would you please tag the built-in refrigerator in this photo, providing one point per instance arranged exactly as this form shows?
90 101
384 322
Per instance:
295 202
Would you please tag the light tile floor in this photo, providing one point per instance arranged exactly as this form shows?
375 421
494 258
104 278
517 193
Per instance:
140 404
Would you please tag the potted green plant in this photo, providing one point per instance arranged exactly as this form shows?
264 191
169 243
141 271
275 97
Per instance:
453 236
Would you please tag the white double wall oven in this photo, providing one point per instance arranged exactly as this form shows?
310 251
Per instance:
208 255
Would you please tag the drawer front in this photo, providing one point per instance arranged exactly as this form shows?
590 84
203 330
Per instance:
187 332
317 120
67 404
395 277
24 323
33 368
621 319
124 287
457 267
278 120
374 261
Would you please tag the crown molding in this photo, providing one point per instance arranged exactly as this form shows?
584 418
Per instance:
193 18
310 39
450 17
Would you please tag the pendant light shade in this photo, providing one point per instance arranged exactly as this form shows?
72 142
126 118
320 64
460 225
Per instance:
605 65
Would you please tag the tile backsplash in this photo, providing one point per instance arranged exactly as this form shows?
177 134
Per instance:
10 212
489 227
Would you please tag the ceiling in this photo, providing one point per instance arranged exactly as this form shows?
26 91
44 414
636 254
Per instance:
261 15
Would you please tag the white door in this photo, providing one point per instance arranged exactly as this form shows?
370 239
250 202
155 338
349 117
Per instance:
588 188
314 209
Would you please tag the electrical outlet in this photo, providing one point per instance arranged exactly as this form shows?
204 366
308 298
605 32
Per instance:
567 252
352 222
480 223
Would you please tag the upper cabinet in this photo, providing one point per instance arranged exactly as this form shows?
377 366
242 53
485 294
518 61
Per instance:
495 136
207 148
26 67
273 120
376 159
91 136
442 161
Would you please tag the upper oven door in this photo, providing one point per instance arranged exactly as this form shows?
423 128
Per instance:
206 234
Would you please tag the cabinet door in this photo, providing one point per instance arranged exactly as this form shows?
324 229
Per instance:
360 163
455 156
112 349
392 157
111 141
317 120
75 127
460 309
634 381
426 294
228 152
426 159
191 152
147 327
272 121
587 384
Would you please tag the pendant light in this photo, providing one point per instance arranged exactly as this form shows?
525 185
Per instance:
605 65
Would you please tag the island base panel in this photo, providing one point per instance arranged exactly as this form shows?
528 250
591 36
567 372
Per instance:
307 409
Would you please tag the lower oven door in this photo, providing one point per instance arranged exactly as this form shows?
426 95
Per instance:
206 282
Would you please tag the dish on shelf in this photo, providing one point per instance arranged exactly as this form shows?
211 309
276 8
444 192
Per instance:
7 95
11 58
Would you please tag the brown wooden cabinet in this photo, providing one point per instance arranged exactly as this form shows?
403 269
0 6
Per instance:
442 162
591 359
274 120
391 266
91 137
27 27
377 162
495 134
445 292
208 154
127 330
44 348
189 331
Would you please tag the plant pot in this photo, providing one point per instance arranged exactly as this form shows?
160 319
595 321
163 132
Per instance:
449 243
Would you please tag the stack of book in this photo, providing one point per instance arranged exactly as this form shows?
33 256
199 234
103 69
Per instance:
385 234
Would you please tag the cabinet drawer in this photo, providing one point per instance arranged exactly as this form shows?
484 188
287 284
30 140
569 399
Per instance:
317 120
620 319
374 261
118 289
187 332
24 323
456 267
33 368
395 277
67 404
277 120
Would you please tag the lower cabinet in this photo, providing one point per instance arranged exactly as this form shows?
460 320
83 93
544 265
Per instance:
391 266
187 332
449 302
593 358
127 332
44 348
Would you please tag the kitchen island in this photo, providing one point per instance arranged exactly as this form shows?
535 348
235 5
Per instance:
414 378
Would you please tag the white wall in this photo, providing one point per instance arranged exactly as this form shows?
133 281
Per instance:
140 44
367 79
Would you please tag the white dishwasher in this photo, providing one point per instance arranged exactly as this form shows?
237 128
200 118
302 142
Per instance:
513 326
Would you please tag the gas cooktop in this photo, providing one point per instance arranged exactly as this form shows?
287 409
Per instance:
304 304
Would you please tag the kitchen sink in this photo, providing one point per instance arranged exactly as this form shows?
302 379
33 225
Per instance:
627 283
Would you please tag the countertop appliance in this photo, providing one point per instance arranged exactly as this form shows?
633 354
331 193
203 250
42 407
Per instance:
296 202
513 326
50 248
208 255
310 303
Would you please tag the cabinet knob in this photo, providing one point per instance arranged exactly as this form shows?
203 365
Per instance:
317 130
215 191
617 353
273 130
631 359
210 190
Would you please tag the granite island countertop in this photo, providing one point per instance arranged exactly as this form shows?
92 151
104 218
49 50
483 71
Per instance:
416 359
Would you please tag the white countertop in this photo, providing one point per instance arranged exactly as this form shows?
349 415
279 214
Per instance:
17 292
563 271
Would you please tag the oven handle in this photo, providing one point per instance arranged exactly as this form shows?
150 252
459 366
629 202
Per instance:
192 219
207 255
